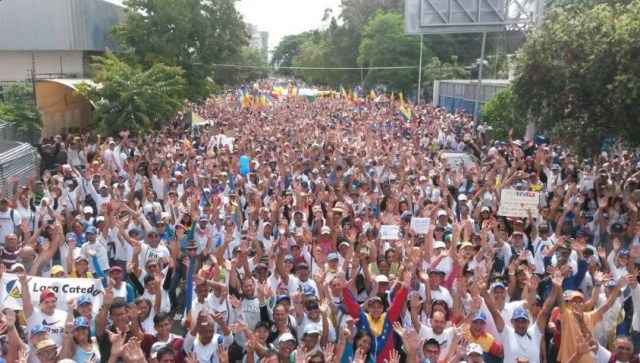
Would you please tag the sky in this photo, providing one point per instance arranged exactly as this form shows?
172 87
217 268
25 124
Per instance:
285 17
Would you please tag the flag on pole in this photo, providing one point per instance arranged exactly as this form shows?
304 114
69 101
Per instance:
372 95
404 112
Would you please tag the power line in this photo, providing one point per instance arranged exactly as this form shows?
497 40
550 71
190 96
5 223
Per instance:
329 68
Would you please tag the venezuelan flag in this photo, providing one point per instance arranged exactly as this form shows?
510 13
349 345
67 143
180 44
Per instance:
403 111
356 95
343 92
372 95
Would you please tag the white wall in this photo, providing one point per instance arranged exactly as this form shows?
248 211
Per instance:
16 65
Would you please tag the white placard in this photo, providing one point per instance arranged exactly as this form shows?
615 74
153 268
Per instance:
389 232
514 203
420 225
65 289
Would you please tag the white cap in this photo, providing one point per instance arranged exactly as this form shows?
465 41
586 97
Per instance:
382 278
422 178
474 348
462 196
87 209
485 209
439 244
155 348
441 213
17 265
286 337
100 219
325 230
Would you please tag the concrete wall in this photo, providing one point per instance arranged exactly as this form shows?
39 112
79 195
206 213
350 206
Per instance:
16 65
60 107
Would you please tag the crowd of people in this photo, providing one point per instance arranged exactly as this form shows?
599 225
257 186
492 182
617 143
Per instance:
198 261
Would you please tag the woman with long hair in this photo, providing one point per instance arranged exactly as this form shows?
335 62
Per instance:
78 344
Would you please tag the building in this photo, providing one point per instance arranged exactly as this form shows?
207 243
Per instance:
461 93
53 40
259 40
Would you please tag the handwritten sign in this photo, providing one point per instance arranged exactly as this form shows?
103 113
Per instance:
420 225
389 232
514 203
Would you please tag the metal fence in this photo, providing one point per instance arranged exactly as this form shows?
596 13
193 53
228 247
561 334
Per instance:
17 159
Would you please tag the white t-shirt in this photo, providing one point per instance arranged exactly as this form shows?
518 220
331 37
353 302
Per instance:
516 346
444 339
7 226
100 246
54 324
147 252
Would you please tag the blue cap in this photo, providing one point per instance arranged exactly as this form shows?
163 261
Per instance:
84 299
624 252
610 283
203 217
39 328
80 322
282 297
71 236
520 313
586 214
448 229
406 214
496 285
333 256
309 290
92 230
479 315
288 258
40 240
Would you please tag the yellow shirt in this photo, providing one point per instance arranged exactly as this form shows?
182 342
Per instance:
570 330
74 274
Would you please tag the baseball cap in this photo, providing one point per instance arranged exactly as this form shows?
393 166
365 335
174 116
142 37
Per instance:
497 284
311 329
616 227
485 209
279 298
474 348
71 236
575 294
623 252
39 328
114 269
333 256
155 348
46 293
87 209
80 322
16 266
381 278
81 258
288 258
466 244
45 345
610 283
520 313
287 337
441 213
325 230
308 290
56 269
92 230
479 315
84 299
439 244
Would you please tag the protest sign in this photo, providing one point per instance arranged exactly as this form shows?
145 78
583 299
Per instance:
389 231
420 225
65 289
514 203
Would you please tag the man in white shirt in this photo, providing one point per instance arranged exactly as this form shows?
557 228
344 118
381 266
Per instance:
522 340
203 341
47 315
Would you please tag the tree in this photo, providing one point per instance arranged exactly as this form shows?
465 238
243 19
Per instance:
192 34
502 114
257 68
384 44
436 70
287 49
579 74
131 97
17 109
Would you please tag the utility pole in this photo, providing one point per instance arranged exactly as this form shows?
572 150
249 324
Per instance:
476 107
33 76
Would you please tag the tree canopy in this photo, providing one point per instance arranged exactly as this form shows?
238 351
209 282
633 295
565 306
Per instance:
17 109
190 34
130 97
579 74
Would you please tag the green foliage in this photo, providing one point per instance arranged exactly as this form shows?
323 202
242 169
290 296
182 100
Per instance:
436 70
131 97
579 74
248 57
288 47
191 34
502 114
17 109
384 44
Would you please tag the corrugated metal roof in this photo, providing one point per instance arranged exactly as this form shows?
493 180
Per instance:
17 159
58 24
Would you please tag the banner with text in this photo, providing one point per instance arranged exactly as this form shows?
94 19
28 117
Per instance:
514 203
11 294
389 232
420 225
